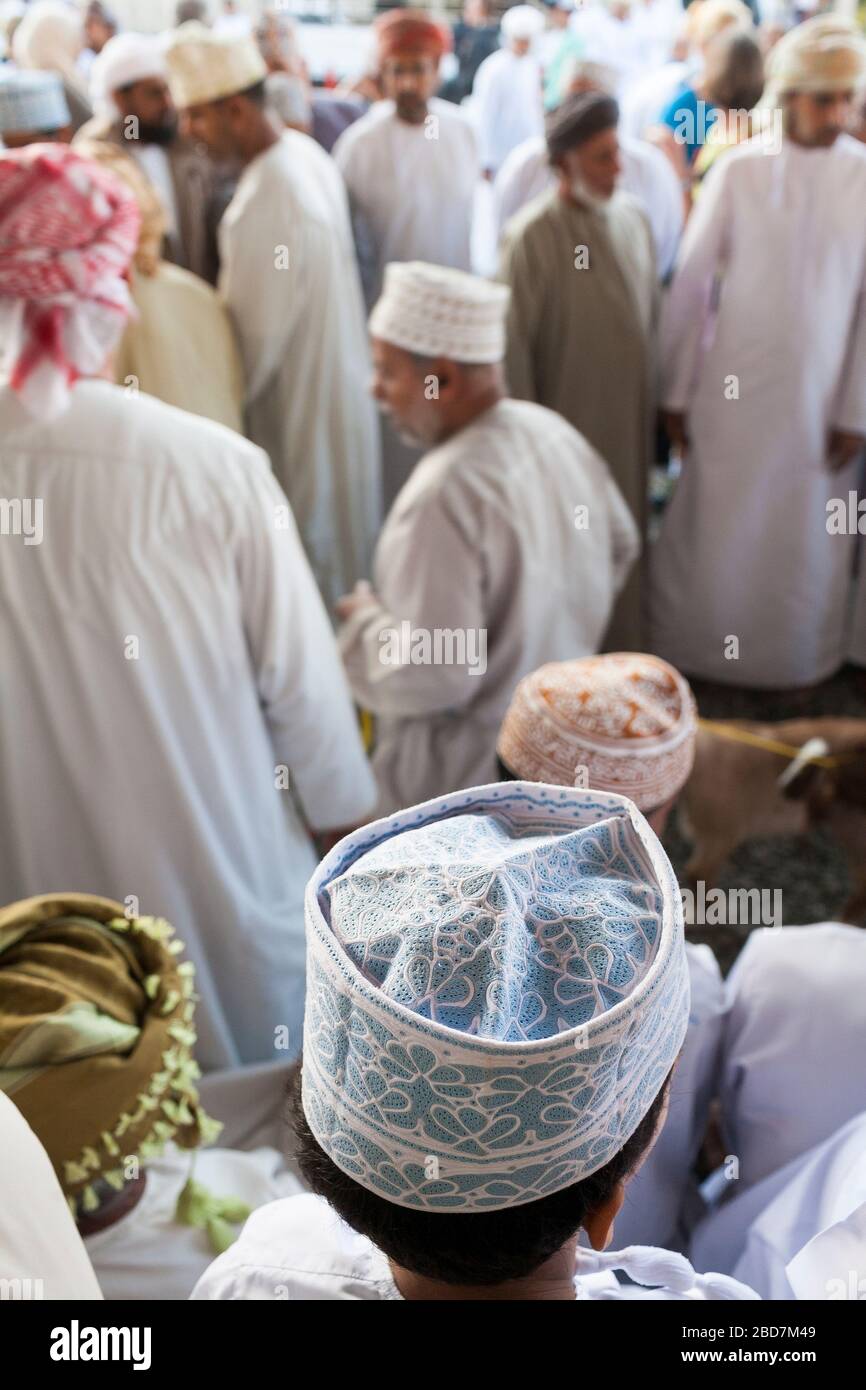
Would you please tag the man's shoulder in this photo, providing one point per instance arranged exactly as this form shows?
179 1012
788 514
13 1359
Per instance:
512 428
297 1247
493 62
630 210
102 127
543 430
533 222
105 421
526 157
274 181
852 153
368 128
450 117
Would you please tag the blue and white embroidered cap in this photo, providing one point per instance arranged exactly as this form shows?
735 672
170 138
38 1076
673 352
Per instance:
497 987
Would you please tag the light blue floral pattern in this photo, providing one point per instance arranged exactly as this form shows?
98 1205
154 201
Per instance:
497 988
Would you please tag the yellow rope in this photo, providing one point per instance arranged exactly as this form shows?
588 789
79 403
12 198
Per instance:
368 731
770 745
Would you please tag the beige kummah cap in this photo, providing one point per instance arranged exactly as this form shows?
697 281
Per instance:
204 66
825 54
629 720
438 312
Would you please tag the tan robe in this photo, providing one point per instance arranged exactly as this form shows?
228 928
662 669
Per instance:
195 180
181 347
579 342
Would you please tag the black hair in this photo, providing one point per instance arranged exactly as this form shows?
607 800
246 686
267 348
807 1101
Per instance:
479 1249
505 773
257 93
739 82
188 10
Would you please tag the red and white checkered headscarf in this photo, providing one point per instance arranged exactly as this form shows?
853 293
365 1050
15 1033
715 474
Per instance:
68 230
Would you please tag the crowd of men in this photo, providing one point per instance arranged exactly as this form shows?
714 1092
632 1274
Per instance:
338 640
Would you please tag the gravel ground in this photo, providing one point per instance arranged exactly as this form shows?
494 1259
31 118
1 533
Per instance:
809 869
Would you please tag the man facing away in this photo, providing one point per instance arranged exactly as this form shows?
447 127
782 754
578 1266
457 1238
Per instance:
290 281
581 266
174 718
506 547
498 993
33 109
626 722
135 111
764 385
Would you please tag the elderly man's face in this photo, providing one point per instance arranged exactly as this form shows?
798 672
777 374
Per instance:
404 393
816 120
595 164
149 103
410 80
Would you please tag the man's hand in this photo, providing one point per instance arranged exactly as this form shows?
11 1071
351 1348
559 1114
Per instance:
842 447
675 423
362 596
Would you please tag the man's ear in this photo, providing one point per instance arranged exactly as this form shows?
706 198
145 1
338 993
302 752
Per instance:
445 374
598 1224
235 107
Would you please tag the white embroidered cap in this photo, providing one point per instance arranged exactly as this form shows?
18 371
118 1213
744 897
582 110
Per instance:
204 66
497 988
438 312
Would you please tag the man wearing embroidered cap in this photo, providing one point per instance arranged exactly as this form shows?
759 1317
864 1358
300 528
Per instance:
183 672
750 585
506 547
290 281
134 111
33 108
411 170
627 723
624 722
96 1035
497 994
